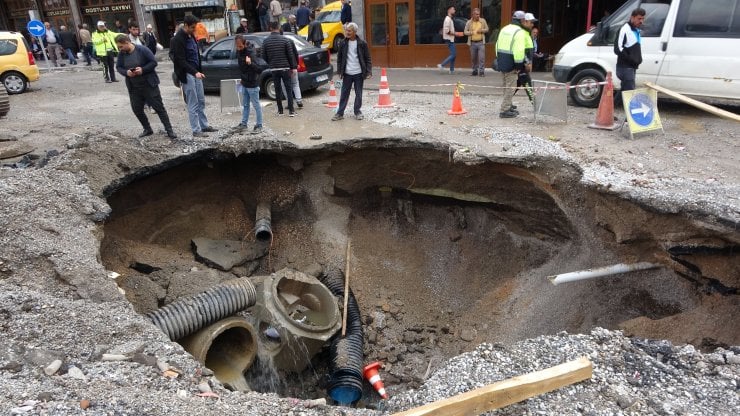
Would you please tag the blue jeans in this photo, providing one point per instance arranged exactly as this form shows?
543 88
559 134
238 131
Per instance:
71 56
453 54
347 82
251 96
196 102
264 20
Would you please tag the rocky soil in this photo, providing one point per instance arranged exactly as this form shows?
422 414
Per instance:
62 319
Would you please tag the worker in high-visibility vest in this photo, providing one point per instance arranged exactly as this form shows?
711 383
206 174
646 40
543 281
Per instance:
511 58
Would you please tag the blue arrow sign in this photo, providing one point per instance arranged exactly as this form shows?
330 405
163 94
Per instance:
36 28
641 109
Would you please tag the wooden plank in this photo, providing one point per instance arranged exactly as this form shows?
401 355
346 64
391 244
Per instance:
506 392
698 104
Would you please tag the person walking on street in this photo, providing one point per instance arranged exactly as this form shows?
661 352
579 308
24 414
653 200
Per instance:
134 34
86 44
294 84
628 49
263 15
136 63
276 10
345 15
302 15
250 75
68 40
448 34
104 42
511 58
353 67
120 28
186 59
315 32
150 39
201 36
476 29
278 52
53 45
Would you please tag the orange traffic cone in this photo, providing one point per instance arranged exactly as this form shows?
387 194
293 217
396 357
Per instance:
605 113
333 103
371 374
457 107
384 93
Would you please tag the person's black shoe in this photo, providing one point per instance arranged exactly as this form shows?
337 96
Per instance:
300 104
508 114
114 80
171 134
292 114
209 129
513 107
146 132
199 134
474 74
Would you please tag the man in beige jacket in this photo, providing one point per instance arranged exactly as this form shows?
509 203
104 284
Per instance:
476 29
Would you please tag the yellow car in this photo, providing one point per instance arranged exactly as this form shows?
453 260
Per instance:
331 24
17 65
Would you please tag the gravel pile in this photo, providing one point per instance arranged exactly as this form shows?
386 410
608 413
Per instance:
630 376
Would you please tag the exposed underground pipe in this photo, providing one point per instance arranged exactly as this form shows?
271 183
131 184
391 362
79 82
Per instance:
601 272
263 222
189 314
345 383
228 347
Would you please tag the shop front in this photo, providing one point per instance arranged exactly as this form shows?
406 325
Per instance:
168 14
17 14
108 11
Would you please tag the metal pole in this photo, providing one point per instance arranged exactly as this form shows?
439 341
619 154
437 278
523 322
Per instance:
46 55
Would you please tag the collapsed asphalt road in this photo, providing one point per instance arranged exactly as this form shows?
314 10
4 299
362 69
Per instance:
59 302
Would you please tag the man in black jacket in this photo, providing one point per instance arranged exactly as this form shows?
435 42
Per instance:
186 59
68 40
628 50
353 67
278 52
137 63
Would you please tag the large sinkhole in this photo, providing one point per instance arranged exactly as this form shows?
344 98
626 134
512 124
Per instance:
443 255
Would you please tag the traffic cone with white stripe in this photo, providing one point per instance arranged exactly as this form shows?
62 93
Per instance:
457 107
605 113
371 374
332 103
384 93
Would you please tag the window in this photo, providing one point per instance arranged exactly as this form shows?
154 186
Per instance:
708 18
8 46
221 50
430 15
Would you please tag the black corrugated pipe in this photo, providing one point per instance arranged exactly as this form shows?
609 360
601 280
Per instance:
345 384
187 315
263 222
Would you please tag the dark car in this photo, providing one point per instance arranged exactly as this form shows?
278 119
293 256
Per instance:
219 62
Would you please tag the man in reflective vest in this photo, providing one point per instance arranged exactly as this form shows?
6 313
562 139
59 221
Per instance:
511 58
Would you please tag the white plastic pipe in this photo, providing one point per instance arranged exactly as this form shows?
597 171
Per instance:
601 272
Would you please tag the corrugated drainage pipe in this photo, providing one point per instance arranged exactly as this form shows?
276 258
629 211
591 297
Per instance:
227 347
263 222
189 314
347 357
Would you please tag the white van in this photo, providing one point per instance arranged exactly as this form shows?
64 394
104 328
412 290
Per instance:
689 46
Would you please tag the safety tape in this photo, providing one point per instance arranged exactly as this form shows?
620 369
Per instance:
566 87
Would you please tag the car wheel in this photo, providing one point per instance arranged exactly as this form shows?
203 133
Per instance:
14 82
4 101
586 91
269 88
335 45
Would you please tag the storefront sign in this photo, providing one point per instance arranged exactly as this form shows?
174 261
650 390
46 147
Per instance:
107 9
182 4
61 12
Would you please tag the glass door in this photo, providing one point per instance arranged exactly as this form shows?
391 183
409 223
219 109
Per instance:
379 34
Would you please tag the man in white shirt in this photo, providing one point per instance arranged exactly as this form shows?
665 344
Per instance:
353 67
448 34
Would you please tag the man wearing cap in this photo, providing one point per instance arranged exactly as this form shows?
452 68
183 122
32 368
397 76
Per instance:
104 42
186 59
242 27
511 58
302 15
476 29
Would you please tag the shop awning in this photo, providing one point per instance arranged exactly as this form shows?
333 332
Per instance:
152 5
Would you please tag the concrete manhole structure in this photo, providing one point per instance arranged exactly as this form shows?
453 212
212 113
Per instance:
449 249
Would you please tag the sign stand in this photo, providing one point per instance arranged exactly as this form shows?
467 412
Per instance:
37 29
641 111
